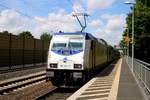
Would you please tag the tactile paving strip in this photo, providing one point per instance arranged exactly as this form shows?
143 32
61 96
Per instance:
99 87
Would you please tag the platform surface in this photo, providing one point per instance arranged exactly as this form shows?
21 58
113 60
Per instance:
128 88
115 83
98 88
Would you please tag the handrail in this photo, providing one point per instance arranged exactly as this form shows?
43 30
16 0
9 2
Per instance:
141 71
147 64
143 62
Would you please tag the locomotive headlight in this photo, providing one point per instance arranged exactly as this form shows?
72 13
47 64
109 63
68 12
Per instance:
53 65
78 66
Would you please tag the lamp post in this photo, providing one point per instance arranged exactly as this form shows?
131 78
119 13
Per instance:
128 44
131 3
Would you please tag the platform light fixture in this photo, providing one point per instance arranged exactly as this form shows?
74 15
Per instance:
129 2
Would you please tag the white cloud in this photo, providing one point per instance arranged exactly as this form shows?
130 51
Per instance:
78 7
15 23
114 22
99 4
95 24
113 29
108 27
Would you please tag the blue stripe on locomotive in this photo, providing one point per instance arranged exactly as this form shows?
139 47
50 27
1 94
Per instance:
70 52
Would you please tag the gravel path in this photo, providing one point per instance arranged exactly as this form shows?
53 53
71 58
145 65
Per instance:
59 96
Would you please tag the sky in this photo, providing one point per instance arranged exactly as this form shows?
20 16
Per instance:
106 17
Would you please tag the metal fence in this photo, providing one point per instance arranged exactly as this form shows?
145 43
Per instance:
142 72
17 52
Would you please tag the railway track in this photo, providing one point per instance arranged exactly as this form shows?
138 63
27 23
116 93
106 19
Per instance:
16 88
57 94
64 93
40 91
16 83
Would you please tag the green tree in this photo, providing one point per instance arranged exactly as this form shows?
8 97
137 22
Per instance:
141 29
46 36
25 34
144 2
5 32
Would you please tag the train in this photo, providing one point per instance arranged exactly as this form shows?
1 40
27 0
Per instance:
75 57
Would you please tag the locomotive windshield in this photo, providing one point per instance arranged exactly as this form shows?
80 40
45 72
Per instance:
69 48
75 46
58 46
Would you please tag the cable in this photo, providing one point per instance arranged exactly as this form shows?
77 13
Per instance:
16 11
70 1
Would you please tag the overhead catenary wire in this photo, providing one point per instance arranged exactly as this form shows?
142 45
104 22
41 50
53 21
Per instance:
70 2
24 23
16 11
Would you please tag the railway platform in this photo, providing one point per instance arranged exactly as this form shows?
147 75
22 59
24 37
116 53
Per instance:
117 82
129 89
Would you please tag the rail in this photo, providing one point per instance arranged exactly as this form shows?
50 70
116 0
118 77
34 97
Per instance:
142 72
11 84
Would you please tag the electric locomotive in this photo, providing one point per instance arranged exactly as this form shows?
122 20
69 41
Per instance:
74 57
